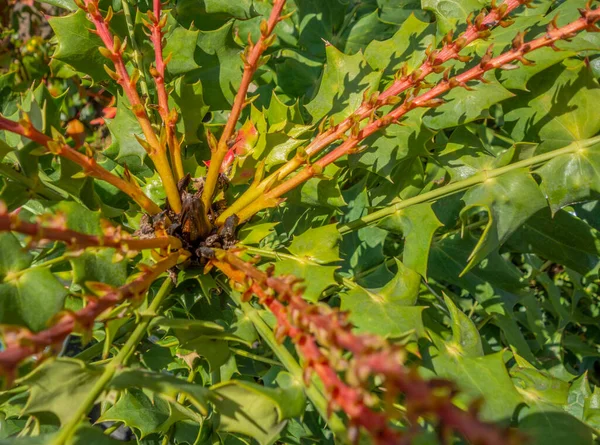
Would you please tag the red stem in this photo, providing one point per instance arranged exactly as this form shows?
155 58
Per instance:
21 344
318 328
57 231
89 164
590 17
251 64
450 50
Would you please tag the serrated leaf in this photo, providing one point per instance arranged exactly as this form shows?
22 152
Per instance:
466 340
316 278
395 144
221 67
344 80
100 267
124 147
571 178
258 411
556 111
450 12
191 107
481 377
464 106
59 385
563 238
509 200
32 298
143 414
77 46
407 45
555 428
389 311
418 224
169 387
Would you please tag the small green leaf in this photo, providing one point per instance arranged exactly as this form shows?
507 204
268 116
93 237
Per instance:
466 340
509 200
320 245
258 411
389 311
59 385
342 86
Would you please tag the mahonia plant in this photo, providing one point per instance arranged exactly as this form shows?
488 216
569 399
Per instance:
302 221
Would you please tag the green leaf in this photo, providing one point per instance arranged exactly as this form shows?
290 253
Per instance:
32 296
210 14
167 386
342 86
556 111
64 4
181 46
555 428
389 311
509 200
466 340
418 224
320 245
393 145
124 147
483 377
450 12
406 46
258 411
316 278
190 104
464 106
571 178
13 257
99 266
562 238
77 46
59 385
143 414
221 67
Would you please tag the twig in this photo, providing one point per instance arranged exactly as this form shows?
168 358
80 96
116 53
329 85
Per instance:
478 29
252 61
55 229
113 50
88 163
430 99
21 343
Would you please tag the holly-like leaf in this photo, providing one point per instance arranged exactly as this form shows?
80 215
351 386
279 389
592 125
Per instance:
389 311
220 67
563 238
481 377
466 340
58 385
28 296
508 200
143 414
190 104
463 106
572 178
418 225
77 46
316 278
258 411
344 81
556 111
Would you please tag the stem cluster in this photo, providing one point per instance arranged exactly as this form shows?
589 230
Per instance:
323 337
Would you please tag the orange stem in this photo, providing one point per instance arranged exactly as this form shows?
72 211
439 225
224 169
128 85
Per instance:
251 64
89 164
